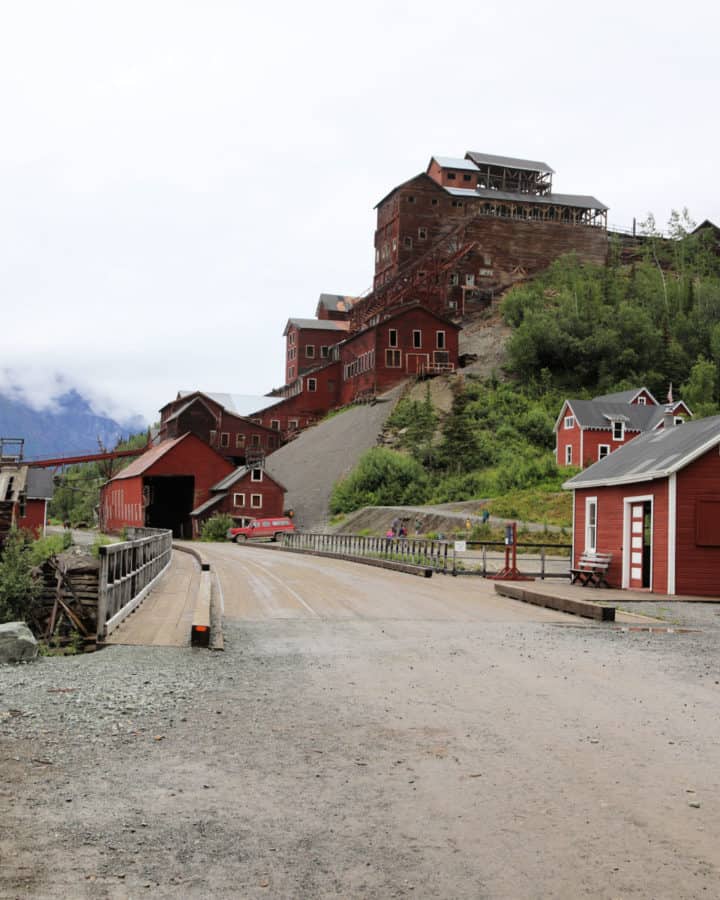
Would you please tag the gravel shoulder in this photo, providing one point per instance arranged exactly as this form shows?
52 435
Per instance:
371 755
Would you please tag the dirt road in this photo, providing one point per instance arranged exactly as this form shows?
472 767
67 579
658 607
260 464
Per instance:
372 735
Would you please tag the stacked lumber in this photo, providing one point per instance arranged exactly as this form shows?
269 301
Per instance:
66 610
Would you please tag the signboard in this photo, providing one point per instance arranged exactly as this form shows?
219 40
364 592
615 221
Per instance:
460 546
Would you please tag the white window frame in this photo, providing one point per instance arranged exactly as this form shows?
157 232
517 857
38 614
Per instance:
591 505
389 355
454 279
422 234
324 352
417 339
312 385
239 439
309 351
642 401
256 475
292 423
568 455
440 340
238 500
606 448
615 424
275 424
392 337
569 422
255 501
469 279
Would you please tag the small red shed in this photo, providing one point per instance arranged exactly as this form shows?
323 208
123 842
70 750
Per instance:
654 504
162 487
246 493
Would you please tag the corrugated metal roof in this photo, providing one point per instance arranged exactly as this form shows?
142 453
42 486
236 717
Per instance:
623 396
208 504
318 325
240 404
229 480
454 162
599 413
40 484
149 458
508 162
655 454
578 200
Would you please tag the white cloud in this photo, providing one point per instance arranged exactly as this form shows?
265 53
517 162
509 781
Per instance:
180 177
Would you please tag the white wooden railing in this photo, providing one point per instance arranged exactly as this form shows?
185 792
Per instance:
127 572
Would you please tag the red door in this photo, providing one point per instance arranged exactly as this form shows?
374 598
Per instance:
416 362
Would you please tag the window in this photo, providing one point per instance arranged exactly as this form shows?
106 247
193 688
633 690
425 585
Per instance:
309 351
291 372
569 422
238 499
454 279
417 339
272 442
324 352
256 501
213 436
292 423
312 385
590 524
239 440
393 359
440 340
470 280
679 420
407 243
256 475
392 337
224 439
422 234
467 177
275 424
254 440
568 455
410 199
458 204
434 201
618 429
487 259
603 450
641 401
451 176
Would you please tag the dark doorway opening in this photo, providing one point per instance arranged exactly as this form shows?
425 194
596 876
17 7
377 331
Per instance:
647 543
171 502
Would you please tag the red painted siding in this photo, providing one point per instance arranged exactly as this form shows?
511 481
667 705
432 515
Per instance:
568 437
299 339
272 498
34 518
121 504
697 567
610 524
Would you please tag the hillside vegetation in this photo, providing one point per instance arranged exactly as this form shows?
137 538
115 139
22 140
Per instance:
579 331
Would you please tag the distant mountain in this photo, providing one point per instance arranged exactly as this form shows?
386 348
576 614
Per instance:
69 427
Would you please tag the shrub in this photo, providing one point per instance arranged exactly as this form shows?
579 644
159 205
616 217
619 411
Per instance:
215 528
19 589
381 478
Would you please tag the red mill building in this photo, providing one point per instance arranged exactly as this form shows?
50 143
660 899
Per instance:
466 228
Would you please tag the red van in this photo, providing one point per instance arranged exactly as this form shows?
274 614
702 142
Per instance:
260 528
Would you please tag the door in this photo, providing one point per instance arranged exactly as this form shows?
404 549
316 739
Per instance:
416 362
640 544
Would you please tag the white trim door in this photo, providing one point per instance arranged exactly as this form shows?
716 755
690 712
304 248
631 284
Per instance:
637 542
414 362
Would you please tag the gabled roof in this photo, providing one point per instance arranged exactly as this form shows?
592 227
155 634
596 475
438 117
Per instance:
208 504
317 325
599 414
239 404
626 396
335 302
180 410
655 454
238 475
508 162
421 177
453 162
150 457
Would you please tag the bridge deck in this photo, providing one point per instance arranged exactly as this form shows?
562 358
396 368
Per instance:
165 616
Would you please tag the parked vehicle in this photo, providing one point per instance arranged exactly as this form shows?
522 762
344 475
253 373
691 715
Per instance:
261 528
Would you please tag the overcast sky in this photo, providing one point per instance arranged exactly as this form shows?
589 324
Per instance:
178 178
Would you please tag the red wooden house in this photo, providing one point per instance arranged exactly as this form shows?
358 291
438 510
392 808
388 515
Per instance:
24 496
588 430
654 505
243 494
221 421
309 344
161 488
334 306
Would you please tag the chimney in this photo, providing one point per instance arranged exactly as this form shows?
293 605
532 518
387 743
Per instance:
669 417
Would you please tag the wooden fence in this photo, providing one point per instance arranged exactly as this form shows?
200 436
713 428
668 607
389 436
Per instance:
478 558
413 551
127 572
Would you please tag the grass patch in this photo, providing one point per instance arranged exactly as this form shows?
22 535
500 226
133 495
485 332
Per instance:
534 505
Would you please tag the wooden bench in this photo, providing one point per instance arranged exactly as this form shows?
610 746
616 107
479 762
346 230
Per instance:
591 570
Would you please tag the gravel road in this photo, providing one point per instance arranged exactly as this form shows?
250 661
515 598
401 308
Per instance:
408 743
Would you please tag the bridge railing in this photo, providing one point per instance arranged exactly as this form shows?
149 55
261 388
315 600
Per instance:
127 572
414 551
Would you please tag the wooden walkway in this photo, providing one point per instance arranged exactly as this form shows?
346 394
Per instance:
165 616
